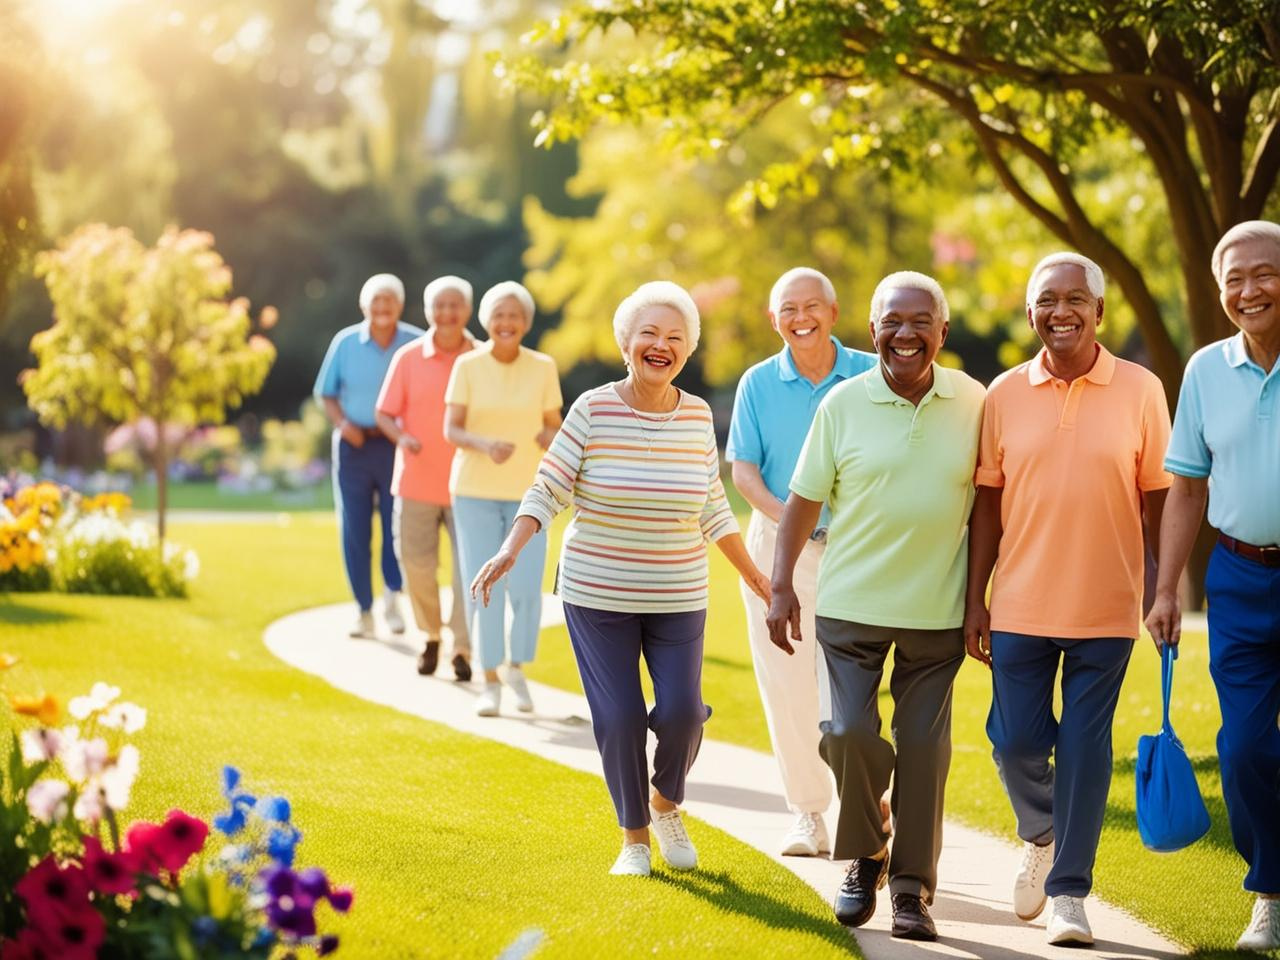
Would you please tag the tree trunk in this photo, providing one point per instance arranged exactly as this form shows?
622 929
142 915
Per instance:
160 463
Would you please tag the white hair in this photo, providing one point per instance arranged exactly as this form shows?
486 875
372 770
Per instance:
656 293
438 286
380 283
1093 278
910 280
499 292
800 273
1243 233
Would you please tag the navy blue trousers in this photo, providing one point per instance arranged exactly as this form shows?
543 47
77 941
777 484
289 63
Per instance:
1064 801
608 646
1244 661
361 476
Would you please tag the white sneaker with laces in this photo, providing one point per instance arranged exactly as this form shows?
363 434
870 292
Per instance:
489 700
391 612
1263 931
363 628
633 861
673 842
1067 923
1028 883
515 680
807 837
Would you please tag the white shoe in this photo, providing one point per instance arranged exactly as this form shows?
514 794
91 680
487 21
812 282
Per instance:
363 629
633 861
391 612
807 837
1067 923
1263 931
488 701
514 677
1028 883
673 842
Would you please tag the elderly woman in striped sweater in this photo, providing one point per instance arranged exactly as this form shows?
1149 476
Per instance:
638 460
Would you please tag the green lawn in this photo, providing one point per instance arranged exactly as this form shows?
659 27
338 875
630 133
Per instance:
207 496
455 845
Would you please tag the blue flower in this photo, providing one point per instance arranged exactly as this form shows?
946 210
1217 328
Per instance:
233 821
204 929
273 808
281 843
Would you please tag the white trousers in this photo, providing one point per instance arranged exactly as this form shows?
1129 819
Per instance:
794 689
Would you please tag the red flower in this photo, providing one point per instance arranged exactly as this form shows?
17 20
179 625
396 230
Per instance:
30 945
141 842
53 893
74 936
109 873
167 845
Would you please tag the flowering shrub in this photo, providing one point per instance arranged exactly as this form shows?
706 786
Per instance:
73 887
26 519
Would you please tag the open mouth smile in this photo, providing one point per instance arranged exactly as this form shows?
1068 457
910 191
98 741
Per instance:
905 352
656 361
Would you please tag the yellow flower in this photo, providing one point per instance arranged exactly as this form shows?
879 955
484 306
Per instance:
43 707
9 660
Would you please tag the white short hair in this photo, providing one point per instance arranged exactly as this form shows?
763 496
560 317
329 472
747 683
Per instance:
910 280
656 293
380 283
800 273
499 292
1093 278
1243 233
438 286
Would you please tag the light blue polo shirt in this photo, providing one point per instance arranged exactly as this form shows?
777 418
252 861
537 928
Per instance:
1227 428
354 367
773 409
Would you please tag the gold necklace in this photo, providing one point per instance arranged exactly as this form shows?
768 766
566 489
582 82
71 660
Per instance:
644 428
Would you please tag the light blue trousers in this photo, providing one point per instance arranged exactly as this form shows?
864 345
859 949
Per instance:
482 525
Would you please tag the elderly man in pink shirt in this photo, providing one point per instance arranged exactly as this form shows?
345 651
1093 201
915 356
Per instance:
410 411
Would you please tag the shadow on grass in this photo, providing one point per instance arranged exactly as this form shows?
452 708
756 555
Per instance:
20 613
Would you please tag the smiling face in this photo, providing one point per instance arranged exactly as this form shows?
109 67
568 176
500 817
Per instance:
1251 288
449 311
804 318
908 335
507 322
658 345
1064 314
384 310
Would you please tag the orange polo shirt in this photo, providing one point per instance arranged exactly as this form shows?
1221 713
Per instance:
1073 460
413 393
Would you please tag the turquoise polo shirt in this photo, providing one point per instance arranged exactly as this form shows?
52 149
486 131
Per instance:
1227 428
899 479
773 408
354 367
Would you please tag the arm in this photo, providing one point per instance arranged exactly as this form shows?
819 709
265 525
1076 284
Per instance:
735 551
350 432
985 530
387 424
1152 512
455 418
1179 525
551 421
799 516
497 566
750 483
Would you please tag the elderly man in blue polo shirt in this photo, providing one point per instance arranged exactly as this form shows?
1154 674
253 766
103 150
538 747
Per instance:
363 458
1226 449
774 407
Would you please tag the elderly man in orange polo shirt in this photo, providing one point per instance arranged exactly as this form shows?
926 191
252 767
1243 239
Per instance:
1070 485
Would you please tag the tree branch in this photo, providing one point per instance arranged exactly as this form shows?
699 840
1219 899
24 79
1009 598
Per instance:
1264 168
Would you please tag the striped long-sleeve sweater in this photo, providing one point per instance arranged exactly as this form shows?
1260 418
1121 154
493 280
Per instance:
647 499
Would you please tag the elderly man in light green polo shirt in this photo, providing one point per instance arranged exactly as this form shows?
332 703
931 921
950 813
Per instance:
893 452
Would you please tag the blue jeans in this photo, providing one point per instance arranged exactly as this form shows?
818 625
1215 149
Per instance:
482 525
359 476
1244 661
1065 801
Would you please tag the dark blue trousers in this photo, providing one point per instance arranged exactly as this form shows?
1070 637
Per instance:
608 646
1244 661
361 476
1064 801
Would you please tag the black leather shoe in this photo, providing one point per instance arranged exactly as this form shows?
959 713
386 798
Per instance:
428 658
461 668
911 920
856 900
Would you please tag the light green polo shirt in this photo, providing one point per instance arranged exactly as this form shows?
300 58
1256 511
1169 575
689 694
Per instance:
899 481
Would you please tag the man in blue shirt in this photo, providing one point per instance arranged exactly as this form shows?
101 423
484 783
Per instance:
363 458
774 406
1226 449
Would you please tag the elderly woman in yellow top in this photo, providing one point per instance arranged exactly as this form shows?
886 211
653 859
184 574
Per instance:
502 408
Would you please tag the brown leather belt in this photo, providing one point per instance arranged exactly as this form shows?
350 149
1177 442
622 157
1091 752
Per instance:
1268 556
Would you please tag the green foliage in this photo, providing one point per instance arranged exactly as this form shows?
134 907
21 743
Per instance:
100 554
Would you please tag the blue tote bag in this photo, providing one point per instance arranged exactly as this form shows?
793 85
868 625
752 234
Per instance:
1171 812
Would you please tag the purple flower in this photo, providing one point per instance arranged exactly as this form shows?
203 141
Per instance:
313 882
327 945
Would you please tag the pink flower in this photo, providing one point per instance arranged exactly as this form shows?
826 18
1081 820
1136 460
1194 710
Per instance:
169 845
47 800
53 894
40 745
109 873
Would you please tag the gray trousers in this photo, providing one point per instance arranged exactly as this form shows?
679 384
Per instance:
925 663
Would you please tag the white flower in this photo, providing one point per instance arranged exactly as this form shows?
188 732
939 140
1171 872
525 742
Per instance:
47 800
190 565
84 759
89 804
40 745
124 716
117 779
99 698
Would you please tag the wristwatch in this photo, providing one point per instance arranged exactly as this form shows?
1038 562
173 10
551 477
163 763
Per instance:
819 535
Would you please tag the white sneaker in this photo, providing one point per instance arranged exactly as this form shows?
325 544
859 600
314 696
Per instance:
673 842
807 837
489 699
515 680
1263 931
1028 883
363 629
1067 923
633 861
391 612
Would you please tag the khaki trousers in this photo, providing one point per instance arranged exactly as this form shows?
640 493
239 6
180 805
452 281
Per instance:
417 530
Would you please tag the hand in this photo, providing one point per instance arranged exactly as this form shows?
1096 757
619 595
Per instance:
545 436
493 570
977 632
784 612
1164 622
759 585
410 443
352 434
500 451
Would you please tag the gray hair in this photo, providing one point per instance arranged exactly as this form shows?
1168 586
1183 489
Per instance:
380 283
800 273
499 292
1093 278
656 293
438 286
910 280
1243 233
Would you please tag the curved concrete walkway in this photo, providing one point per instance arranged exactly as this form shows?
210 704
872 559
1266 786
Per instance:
730 787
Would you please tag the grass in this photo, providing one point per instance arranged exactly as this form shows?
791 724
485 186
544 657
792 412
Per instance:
207 496
455 845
